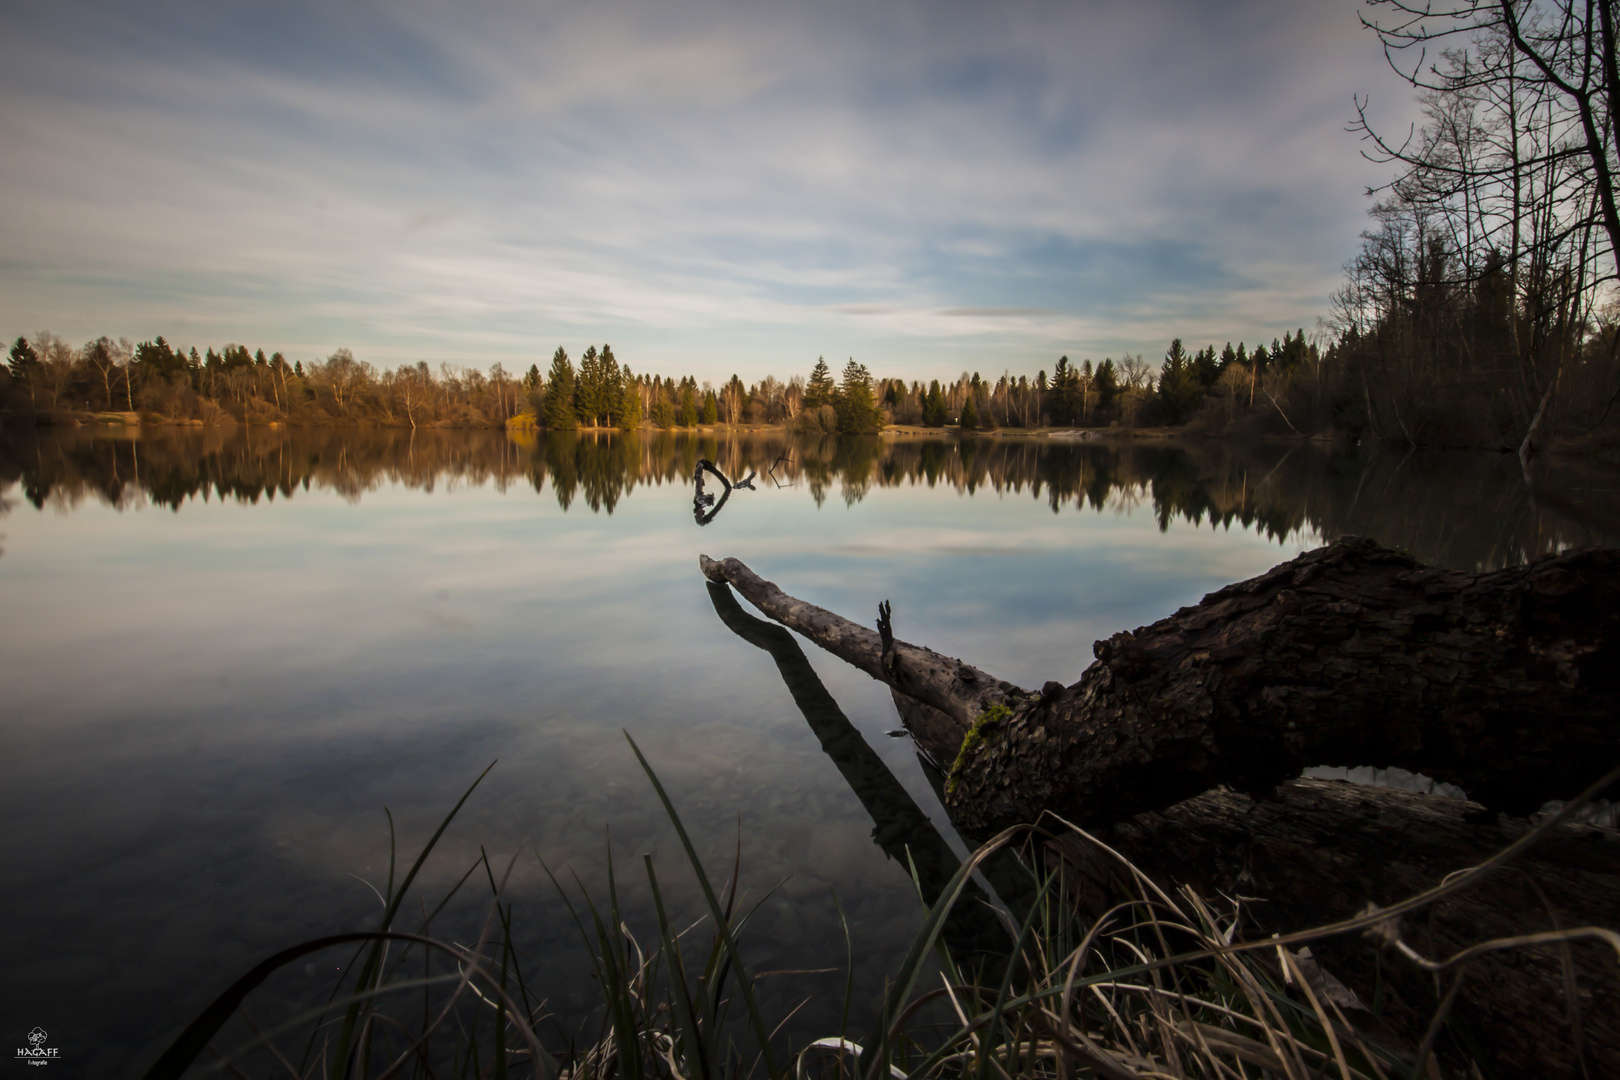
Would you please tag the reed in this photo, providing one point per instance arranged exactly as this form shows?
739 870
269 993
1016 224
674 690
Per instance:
1158 987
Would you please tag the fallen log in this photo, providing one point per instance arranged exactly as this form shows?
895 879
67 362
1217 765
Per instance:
1308 853
1506 684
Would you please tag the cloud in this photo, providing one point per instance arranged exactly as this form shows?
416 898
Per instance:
711 187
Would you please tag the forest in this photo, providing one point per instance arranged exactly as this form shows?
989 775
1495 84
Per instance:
1481 312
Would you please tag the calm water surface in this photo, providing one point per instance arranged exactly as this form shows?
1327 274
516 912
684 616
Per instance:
225 652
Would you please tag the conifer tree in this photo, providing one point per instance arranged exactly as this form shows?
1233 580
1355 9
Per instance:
820 390
1179 388
612 382
629 410
663 408
711 408
1063 396
1205 367
934 405
857 411
24 366
970 416
560 414
588 388
688 412
1107 384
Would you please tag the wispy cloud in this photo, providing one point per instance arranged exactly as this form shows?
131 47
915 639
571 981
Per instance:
711 187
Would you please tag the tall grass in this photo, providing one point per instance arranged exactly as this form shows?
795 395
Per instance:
1159 987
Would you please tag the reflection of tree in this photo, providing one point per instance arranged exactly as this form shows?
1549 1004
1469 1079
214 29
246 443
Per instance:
1461 510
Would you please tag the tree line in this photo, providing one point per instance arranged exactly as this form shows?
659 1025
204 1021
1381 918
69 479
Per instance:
1481 311
48 380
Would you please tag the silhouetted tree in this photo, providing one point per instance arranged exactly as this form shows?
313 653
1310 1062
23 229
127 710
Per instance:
1179 388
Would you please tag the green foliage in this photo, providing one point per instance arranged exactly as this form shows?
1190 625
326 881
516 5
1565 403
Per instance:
820 390
854 404
629 408
24 360
934 412
711 409
663 412
560 389
970 416
689 410
984 727
589 389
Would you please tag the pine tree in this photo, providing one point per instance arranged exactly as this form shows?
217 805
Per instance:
934 406
1063 396
857 411
1205 366
711 408
560 414
1107 378
970 416
24 366
688 411
820 390
1179 388
611 381
629 410
588 388
663 409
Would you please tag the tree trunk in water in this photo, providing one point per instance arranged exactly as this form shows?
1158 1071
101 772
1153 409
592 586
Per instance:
1504 683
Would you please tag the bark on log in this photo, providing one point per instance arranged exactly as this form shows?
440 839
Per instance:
1504 683
959 690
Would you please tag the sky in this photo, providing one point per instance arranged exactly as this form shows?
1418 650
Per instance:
929 188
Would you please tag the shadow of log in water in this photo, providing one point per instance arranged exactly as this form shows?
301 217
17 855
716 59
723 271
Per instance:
900 828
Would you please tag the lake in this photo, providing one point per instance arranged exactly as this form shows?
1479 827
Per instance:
226 651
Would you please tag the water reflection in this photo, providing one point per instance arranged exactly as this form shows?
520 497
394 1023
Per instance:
1464 510
900 828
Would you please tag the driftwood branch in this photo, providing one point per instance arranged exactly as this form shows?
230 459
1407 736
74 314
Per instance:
957 689
1506 684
